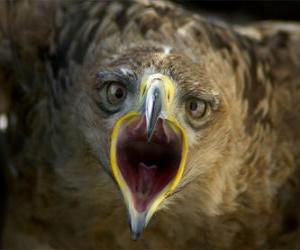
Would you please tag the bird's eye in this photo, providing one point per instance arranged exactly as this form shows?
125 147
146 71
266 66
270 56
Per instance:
196 108
116 93
112 96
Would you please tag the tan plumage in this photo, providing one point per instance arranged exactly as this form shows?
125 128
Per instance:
240 187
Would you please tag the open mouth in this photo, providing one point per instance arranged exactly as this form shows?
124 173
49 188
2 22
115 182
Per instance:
147 167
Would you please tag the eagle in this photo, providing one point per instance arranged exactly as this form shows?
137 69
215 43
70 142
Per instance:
144 125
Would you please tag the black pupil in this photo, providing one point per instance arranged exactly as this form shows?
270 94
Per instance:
119 93
193 105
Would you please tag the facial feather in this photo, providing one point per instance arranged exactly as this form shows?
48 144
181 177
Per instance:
241 174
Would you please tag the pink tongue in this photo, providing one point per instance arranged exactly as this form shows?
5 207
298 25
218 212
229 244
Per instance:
145 185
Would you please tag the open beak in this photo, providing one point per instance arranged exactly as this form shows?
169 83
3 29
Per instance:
148 152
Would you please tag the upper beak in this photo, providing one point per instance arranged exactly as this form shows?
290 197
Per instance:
153 105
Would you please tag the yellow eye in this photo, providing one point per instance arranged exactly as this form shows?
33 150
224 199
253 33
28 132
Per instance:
116 93
196 108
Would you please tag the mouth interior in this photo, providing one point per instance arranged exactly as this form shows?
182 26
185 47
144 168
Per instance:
148 167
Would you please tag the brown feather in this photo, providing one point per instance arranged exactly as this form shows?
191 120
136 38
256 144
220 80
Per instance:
242 181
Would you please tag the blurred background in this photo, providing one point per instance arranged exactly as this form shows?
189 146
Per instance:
245 11
240 12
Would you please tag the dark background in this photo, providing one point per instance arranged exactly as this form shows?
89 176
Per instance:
243 11
2 181
232 11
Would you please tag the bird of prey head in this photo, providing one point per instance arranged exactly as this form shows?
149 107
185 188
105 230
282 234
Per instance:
152 109
144 104
146 109
151 112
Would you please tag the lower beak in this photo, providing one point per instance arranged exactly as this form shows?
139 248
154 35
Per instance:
137 222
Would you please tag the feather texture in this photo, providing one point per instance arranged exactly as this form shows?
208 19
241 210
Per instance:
241 185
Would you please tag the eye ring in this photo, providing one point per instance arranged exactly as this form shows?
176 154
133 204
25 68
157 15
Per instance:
111 96
196 108
115 93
